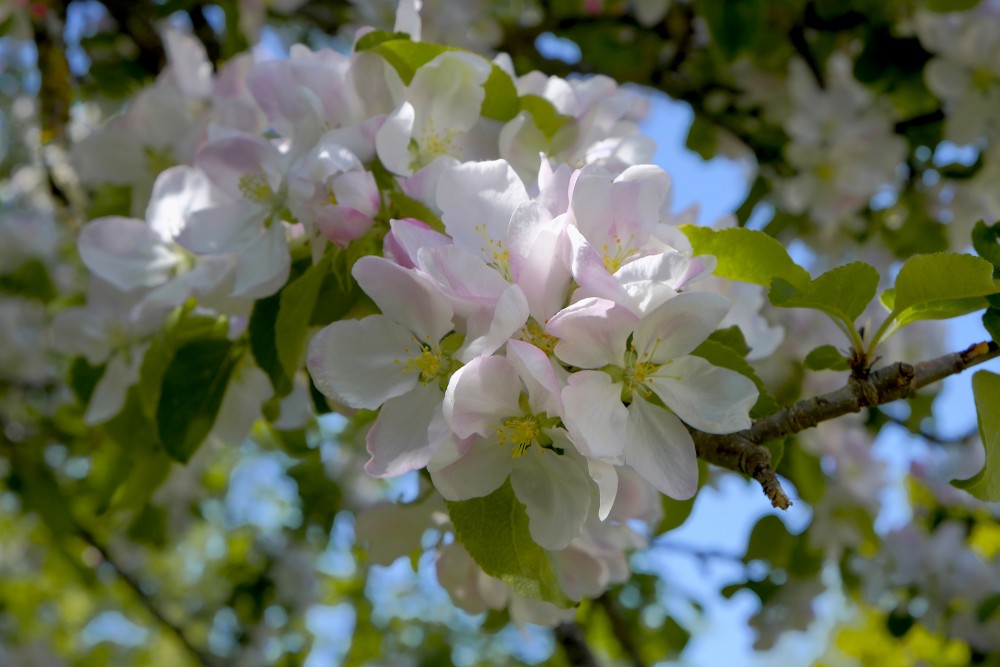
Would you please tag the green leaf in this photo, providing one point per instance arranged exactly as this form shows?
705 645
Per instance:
986 484
295 308
991 322
546 118
826 358
30 280
733 24
942 277
746 255
83 378
986 241
842 293
375 37
703 137
732 338
950 5
494 530
193 387
770 541
723 356
501 101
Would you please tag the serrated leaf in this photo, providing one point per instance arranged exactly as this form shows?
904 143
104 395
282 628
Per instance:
746 255
723 356
941 277
825 358
842 293
544 113
494 530
985 485
193 387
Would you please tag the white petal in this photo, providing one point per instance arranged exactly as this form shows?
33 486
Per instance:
595 416
479 473
361 362
177 192
709 398
679 325
537 374
398 440
477 200
592 332
480 395
263 266
406 296
248 390
661 450
109 394
605 476
392 142
556 492
125 252
490 330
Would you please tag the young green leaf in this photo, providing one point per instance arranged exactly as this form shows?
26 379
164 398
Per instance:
985 485
942 277
295 308
547 119
986 241
842 293
494 530
825 358
746 255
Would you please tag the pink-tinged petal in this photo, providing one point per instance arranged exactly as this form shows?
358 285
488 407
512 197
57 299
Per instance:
178 192
639 195
227 160
477 200
480 395
592 332
358 190
556 492
342 224
679 325
661 450
406 296
406 237
479 473
580 574
487 331
263 265
653 279
539 258
126 253
361 363
537 374
590 273
605 476
595 416
470 285
709 398
398 441
392 142
591 204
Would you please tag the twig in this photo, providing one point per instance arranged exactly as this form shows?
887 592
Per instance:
620 629
743 451
574 643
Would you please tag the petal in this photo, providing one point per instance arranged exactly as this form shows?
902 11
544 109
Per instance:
398 440
178 192
263 265
109 394
709 398
605 476
448 93
556 492
361 362
679 325
126 253
595 416
392 142
539 258
406 237
592 332
490 330
479 473
406 296
480 395
537 374
477 200
661 450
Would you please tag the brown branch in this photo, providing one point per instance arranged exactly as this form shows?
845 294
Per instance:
574 643
744 451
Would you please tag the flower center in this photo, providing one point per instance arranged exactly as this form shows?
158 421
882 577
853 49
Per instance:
521 432
614 255
435 363
533 333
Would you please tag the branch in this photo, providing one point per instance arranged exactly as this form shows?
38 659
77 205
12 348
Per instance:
744 451
147 602
574 643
